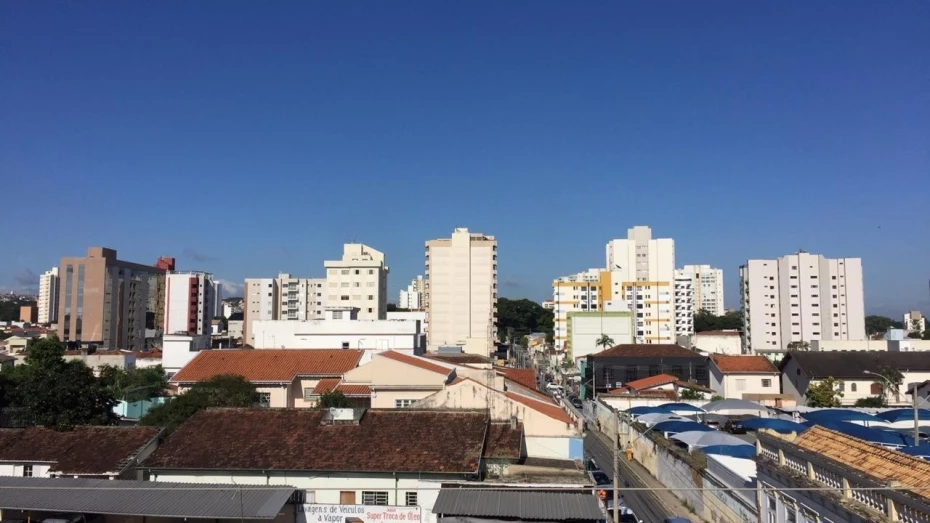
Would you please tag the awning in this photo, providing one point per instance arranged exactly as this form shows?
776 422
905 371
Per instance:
512 504
142 498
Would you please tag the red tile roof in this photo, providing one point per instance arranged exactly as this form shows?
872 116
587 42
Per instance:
389 440
416 361
651 382
717 333
623 391
646 351
269 365
328 384
549 409
85 450
504 442
458 359
748 364
524 377
149 355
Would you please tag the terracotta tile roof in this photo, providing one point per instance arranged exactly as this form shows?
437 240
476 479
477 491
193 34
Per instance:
646 351
458 359
549 409
329 384
416 361
717 333
525 377
148 355
748 364
867 458
503 442
650 382
85 450
623 391
389 440
268 365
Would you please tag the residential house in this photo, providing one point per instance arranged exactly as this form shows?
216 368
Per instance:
371 458
549 431
614 367
397 380
822 475
83 452
147 359
736 376
856 371
718 342
661 386
922 389
283 377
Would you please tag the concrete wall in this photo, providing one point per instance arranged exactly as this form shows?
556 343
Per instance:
718 344
735 385
373 335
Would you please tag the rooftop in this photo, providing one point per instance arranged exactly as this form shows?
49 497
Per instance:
717 333
646 351
329 384
390 440
269 365
523 377
520 505
416 361
852 364
504 442
748 364
85 450
650 382
459 359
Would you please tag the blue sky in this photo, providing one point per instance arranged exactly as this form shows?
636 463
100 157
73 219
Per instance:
248 138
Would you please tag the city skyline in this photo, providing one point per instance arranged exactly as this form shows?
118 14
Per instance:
386 122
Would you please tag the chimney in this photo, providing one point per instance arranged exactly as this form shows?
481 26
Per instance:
513 423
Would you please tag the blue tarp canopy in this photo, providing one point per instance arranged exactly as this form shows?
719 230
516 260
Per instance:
883 437
778 425
894 415
681 407
736 451
636 411
920 451
840 415
680 426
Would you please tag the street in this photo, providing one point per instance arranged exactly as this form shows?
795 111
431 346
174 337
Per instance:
644 503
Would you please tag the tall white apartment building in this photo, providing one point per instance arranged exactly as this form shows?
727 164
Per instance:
412 297
281 298
358 280
48 296
189 303
642 273
801 297
461 291
708 288
913 320
684 302
576 292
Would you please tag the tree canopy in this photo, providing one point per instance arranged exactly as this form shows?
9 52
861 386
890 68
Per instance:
691 394
874 402
219 391
876 324
49 391
9 310
524 317
333 399
604 341
824 394
134 384
705 321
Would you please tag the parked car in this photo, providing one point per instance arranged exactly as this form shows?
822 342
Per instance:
553 386
600 478
626 513
576 402
590 465
734 427
676 519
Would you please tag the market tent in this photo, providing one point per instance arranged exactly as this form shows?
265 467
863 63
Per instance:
735 407
737 451
778 425
680 426
841 415
689 437
637 411
681 407
895 415
882 437
920 451
719 438
659 417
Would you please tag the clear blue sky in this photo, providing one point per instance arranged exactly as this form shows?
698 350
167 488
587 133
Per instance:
250 137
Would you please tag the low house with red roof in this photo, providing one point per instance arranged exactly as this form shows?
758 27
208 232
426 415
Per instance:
550 432
397 380
283 377
664 386
737 376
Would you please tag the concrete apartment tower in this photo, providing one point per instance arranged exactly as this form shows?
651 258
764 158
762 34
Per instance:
412 297
642 273
281 298
108 302
801 297
48 296
190 301
708 288
461 291
358 280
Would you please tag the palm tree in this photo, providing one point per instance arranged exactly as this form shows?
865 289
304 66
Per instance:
604 341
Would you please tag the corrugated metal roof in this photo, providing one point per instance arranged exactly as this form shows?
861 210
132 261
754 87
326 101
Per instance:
548 506
142 498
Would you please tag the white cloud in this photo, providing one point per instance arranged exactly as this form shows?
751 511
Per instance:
231 289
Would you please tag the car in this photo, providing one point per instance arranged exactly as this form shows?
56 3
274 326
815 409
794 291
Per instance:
600 478
676 519
626 513
734 427
590 465
576 403
553 386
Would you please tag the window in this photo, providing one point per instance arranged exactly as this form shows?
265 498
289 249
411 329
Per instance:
741 384
344 297
345 272
27 471
356 271
371 296
379 497
264 400
766 383
852 387
403 404
410 499
308 393
345 345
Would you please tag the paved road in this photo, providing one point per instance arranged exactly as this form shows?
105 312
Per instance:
644 503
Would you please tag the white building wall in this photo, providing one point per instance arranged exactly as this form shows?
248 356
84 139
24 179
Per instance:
708 288
461 295
48 296
734 385
39 470
369 335
412 297
586 329
179 350
914 321
258 303
684 302
718 344
184 292
358 280
579 292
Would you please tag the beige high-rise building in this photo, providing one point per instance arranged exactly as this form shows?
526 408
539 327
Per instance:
801 297
461 291
48 296
109 302
358 280
281 298
708 288
642 273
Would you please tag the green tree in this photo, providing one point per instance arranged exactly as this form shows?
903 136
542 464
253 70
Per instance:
799 345
717 397
219 391
604 342
891 384
926 335
333 399
915 335
134 384
9 310
705 321
392 307
824 394
691 394
876 324
49 391
523 316
874 402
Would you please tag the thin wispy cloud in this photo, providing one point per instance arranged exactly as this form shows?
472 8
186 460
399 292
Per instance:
197 255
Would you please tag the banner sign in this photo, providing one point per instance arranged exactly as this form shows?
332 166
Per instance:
320 513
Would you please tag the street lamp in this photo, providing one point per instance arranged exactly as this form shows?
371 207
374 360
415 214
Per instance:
916 417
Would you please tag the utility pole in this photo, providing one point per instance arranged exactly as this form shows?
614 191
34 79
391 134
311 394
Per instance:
916 422
616 471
